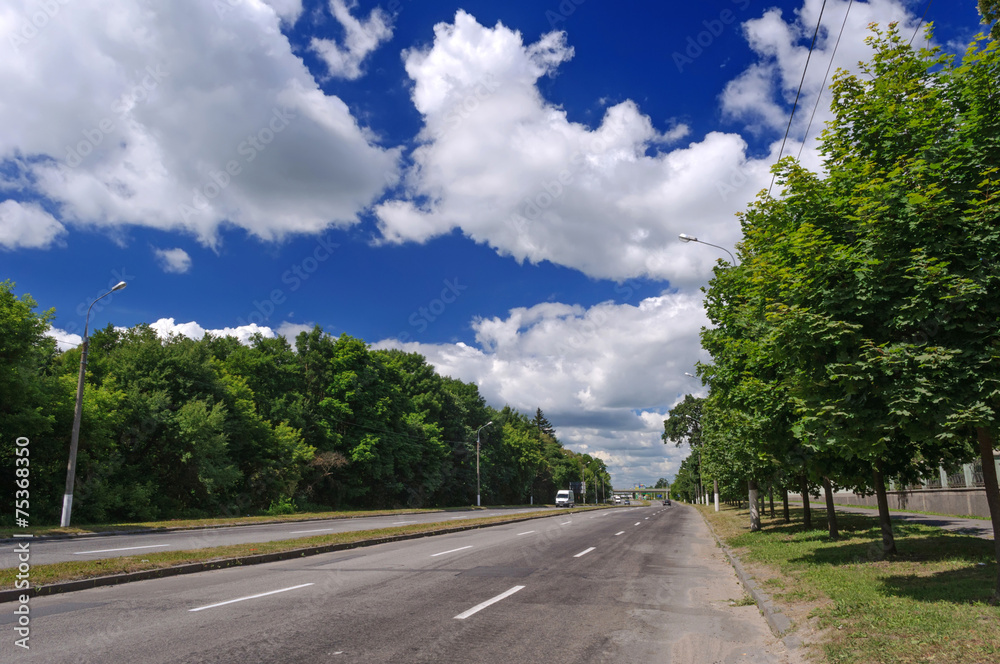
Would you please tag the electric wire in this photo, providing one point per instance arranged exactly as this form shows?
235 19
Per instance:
920 22
825 77
799 92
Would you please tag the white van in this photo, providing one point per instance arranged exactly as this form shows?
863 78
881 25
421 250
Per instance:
564 498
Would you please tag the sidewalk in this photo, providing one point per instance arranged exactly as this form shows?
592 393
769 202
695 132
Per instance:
975 527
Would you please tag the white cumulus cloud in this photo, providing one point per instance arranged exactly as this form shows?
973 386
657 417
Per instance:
166 327
604 376
181 116
175 260
360 39
65 340
508 168
28 226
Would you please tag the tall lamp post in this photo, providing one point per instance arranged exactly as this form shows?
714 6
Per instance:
75 437
477 459
690 238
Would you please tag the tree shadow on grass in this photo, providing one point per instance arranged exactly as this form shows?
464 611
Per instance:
913 545
961 586
849 525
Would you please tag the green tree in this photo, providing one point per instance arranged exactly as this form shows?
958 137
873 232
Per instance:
990 10
878 283
25 352
542 424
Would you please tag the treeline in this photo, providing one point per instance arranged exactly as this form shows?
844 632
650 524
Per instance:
185 428
858 339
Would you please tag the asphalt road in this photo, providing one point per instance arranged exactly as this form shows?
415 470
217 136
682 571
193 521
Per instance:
644 584
47 551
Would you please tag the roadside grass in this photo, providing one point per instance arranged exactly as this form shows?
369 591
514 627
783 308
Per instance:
926 604
43 575
7 531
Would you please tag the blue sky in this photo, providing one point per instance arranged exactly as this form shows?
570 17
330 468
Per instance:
498 186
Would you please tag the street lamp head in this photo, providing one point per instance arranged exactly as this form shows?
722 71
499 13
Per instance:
120 285
488 423
687 238
687 373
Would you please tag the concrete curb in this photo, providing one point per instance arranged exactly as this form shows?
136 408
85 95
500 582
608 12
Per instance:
776 620
191 568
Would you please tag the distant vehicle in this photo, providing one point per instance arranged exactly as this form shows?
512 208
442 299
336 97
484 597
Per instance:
565 498
666 501
618 500
628 502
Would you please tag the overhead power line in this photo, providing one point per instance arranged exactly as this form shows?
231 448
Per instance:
799 92
825 77
920 22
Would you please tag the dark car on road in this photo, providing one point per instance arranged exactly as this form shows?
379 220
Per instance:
666 502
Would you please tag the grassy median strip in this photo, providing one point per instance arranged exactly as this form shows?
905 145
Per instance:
927 604
42 575
180 524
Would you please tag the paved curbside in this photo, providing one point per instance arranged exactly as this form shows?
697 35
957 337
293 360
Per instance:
776 620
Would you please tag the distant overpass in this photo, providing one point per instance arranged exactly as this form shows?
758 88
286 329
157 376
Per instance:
646 493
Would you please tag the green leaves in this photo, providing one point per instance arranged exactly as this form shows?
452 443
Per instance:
862 322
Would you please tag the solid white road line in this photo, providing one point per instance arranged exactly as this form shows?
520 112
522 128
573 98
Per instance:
584 552
452 551
127 548
528 532
283 590
479 607
620 532
319 530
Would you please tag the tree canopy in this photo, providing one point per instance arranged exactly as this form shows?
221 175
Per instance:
857 339
180 427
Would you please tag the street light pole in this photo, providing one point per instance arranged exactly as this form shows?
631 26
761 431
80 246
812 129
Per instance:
75 436
477 459
689 238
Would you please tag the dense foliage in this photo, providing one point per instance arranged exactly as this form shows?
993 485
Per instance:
179 427
858 339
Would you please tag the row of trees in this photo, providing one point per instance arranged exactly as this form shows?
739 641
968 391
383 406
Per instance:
180 427
859 337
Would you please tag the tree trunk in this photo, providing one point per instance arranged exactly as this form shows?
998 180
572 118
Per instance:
888 541
807 519
831 515
784 504
770 495
754 507
986 444
715 486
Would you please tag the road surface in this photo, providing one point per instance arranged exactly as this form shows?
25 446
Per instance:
645 584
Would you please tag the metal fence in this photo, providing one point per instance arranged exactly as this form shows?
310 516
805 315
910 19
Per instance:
967 476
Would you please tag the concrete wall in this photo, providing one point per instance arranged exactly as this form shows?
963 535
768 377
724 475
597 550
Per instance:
959 493
958 502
